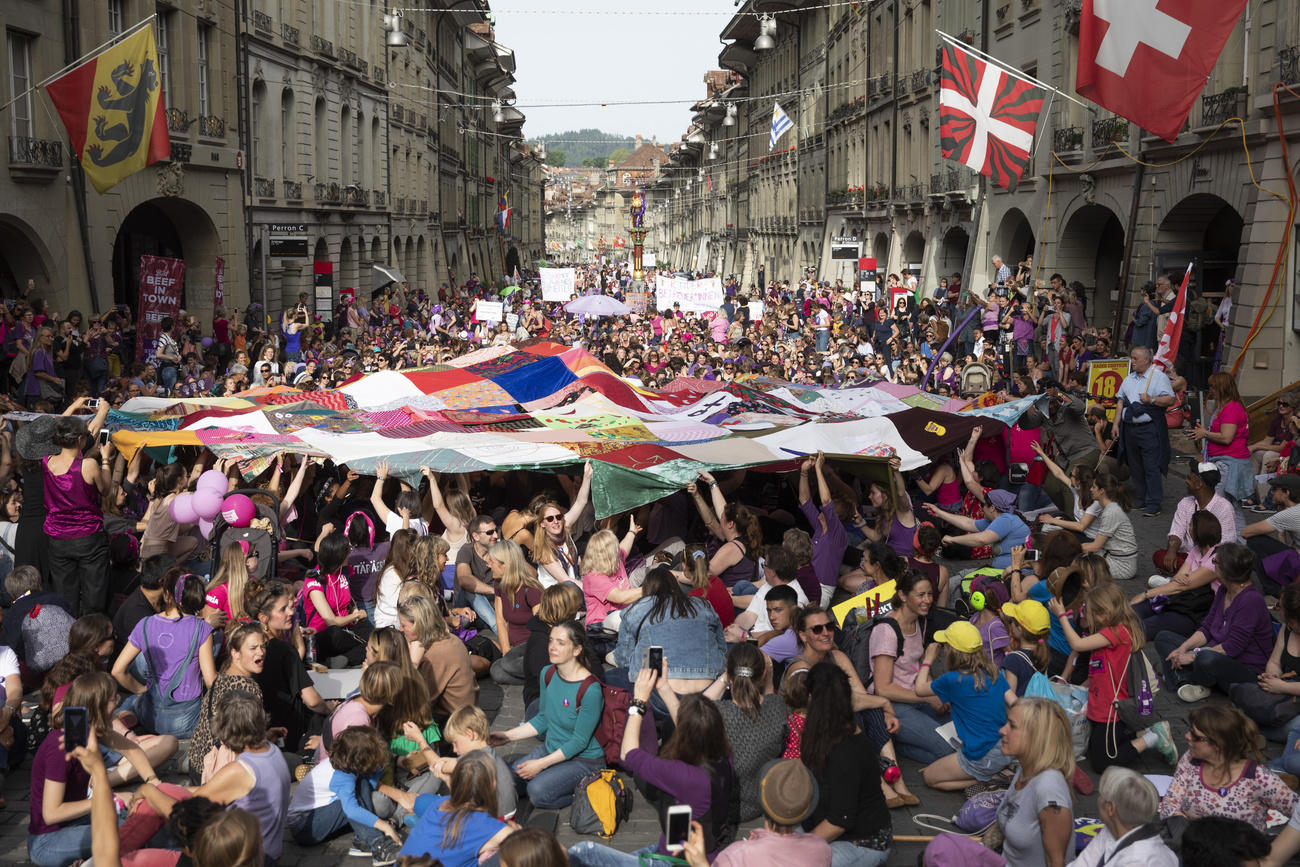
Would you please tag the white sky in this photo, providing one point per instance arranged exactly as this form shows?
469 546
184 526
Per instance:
601 57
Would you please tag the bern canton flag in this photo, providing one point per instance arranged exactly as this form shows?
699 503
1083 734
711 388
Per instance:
987 117
112 108
780 123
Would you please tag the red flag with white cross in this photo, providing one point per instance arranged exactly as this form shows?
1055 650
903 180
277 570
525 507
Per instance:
987 116
1148 60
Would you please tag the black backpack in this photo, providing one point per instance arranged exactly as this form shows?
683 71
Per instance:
856 639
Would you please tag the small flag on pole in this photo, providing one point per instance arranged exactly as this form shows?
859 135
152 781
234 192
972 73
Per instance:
503 212
112 108
1167 351
780 123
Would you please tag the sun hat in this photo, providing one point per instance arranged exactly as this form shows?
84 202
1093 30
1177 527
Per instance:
787 791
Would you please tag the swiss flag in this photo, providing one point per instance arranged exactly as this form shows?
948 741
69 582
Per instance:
1148 60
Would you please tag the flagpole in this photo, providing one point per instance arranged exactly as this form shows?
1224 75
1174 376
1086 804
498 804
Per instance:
956 43
139 25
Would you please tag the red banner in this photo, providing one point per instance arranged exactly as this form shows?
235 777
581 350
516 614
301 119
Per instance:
161 282
219 284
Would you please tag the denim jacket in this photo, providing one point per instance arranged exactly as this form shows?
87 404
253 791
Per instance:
693 647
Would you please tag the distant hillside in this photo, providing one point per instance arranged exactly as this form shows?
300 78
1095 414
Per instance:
582 144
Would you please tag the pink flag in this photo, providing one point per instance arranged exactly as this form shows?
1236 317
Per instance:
1167 351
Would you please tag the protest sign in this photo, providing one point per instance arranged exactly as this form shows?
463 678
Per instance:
558 283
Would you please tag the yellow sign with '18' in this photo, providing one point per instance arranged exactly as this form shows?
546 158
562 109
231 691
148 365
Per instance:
1104 379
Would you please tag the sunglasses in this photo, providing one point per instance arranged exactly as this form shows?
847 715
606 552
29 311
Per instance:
819 628
553 519
492 532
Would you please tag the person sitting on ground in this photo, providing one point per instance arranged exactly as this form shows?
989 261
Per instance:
1128 806
1221 773
788 795
1185 599
467 731
1202 478
779 571
460 828
1235 639
605 585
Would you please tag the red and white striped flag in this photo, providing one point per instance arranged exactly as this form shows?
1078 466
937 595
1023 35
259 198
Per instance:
1167 351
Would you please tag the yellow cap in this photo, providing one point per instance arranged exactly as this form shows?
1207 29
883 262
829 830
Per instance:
962 636
1030 614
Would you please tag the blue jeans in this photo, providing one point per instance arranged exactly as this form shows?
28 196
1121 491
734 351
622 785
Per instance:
60 848
1155 622
167 376
1031 498
12 757
847 854
323 823
553 787
588 854
481 604
163 716
823 339
1289 761
916 737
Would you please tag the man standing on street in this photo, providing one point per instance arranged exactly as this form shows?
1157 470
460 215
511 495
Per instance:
1140 427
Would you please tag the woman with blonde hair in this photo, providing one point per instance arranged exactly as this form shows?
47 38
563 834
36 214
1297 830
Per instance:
605 585
429 558
1035 823
516 600
441 658
553 549
454 509
224 600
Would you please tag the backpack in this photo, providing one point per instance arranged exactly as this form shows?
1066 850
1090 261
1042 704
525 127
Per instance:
45 636
856 640
601 801
613 717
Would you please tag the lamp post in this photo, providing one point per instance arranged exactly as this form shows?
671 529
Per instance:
638 232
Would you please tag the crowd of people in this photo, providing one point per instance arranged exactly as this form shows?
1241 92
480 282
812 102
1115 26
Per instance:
336 685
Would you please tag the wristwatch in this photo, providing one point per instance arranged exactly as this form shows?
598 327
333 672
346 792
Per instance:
636 707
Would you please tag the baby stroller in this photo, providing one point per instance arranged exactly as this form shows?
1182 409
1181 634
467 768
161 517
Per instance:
263 534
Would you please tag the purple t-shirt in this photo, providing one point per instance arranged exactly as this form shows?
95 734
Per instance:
169 643
366 565
784 646
42 362
52 764
683 783
828 544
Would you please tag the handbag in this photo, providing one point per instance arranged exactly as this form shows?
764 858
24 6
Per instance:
1267 709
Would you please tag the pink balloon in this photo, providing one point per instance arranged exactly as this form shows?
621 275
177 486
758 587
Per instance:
213 480
207 503
182 509
205 527
238 510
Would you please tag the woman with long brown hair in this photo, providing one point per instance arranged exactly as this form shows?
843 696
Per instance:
396 569
736 526
460 826
1226 442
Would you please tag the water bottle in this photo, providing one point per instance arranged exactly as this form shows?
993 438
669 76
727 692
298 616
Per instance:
310 641
1145 699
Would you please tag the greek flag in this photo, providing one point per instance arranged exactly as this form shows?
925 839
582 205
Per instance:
780 123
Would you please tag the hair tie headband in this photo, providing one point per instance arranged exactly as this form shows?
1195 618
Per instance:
744 671
697 554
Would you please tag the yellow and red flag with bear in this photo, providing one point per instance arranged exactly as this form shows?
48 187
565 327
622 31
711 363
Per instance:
112 107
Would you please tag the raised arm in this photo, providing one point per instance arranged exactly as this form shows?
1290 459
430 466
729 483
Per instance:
450 521
580 501
377 492
805 490
823 489
1052 466
706 514
295 488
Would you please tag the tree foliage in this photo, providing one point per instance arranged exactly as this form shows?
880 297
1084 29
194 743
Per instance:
556 157
587 144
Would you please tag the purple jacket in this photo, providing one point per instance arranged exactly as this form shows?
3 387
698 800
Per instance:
1245 630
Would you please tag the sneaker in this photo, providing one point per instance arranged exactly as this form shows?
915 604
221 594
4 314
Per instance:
1157 581
1261 509
1165 742
1151 513
359 849
1193 692
385 853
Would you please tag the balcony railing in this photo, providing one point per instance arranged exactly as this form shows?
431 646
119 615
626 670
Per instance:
920 80
328 194
27 151
423 207
1067 138
1288 59
1107 130
1218 107
380 198
178 120
181 152
292 190
363 67
322 46
264 188
211 126
355 197
915 192
399 205
289 34
396 112
263 23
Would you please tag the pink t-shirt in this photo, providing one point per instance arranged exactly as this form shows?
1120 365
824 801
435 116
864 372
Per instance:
219 598
884 642
595 590
337 594
1232 413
